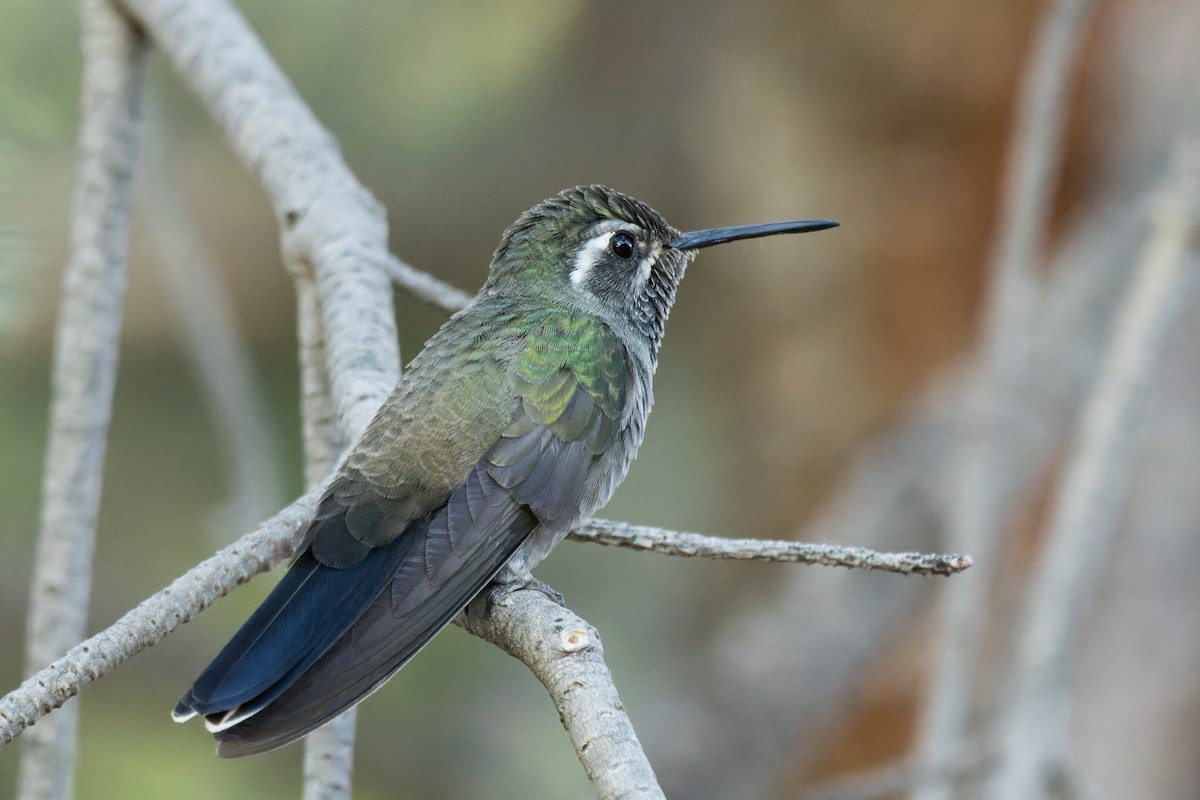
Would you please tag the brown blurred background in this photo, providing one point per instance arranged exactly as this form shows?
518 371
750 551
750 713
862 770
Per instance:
782 357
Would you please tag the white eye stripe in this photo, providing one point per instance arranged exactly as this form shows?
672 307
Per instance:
587 258
643 274
594 252
645 266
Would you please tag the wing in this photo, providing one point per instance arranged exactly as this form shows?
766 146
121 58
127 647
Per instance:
464 544
383 575
572 380
306 612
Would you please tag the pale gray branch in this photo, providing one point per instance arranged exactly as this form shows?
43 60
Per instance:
329 758
425 286
209 337
678 543
334 241
1084 522
84 373
898 489
323 438
327 218
154 618
994 397
332 227
1035 150
896 778
565 654
329 750
329 222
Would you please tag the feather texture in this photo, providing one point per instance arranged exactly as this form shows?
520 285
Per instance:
458 553
519 416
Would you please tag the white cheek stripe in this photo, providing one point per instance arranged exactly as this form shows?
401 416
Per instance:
643 274
587 257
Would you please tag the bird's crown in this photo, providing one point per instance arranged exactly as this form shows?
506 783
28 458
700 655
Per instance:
547 236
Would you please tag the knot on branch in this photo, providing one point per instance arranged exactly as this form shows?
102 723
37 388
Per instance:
573 640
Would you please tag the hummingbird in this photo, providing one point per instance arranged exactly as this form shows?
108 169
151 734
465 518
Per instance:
516 421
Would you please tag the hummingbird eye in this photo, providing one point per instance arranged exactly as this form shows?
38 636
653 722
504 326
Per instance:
622 246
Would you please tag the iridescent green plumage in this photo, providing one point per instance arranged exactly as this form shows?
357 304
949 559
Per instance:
519 417
472 385
564 350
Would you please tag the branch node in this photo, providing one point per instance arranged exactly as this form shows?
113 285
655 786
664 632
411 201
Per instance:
575 639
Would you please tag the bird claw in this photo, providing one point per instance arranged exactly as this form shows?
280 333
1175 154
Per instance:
501 589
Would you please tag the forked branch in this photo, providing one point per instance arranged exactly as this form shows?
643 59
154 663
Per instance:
334 235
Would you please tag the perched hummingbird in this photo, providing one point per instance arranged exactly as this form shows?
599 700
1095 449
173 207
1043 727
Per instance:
517 420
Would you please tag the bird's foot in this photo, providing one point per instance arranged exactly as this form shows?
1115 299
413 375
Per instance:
503 587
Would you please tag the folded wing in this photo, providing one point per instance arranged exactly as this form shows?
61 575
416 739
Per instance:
385 567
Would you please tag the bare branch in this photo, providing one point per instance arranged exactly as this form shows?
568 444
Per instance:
427 287
565 654
154 618
677 543
323 437
1035 152
1084 523
209 337
329 750
331 224
329 758
898 489
896 778
333 227
328 219
84 375
1012 303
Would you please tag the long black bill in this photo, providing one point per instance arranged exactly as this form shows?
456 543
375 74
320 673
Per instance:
694 240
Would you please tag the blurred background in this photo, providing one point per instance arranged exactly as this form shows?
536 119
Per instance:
783 359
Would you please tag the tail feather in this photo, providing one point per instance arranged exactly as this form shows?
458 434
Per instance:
421 600
326 637
302 616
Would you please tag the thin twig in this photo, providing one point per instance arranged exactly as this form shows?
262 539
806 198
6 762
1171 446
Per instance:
154 618
425 286
209 336
329 750
1084 523
326 216
1038 138
897 778
330 222
323 437
677 543
898 489
84 373
1014 294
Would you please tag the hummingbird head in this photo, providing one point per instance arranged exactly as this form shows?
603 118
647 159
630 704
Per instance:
608 252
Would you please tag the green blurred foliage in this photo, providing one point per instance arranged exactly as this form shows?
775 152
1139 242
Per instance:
781 356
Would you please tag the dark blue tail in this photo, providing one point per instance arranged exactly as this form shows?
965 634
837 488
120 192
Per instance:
301 618
327 636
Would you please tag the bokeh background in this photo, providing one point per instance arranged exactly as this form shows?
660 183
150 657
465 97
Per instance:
782 358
